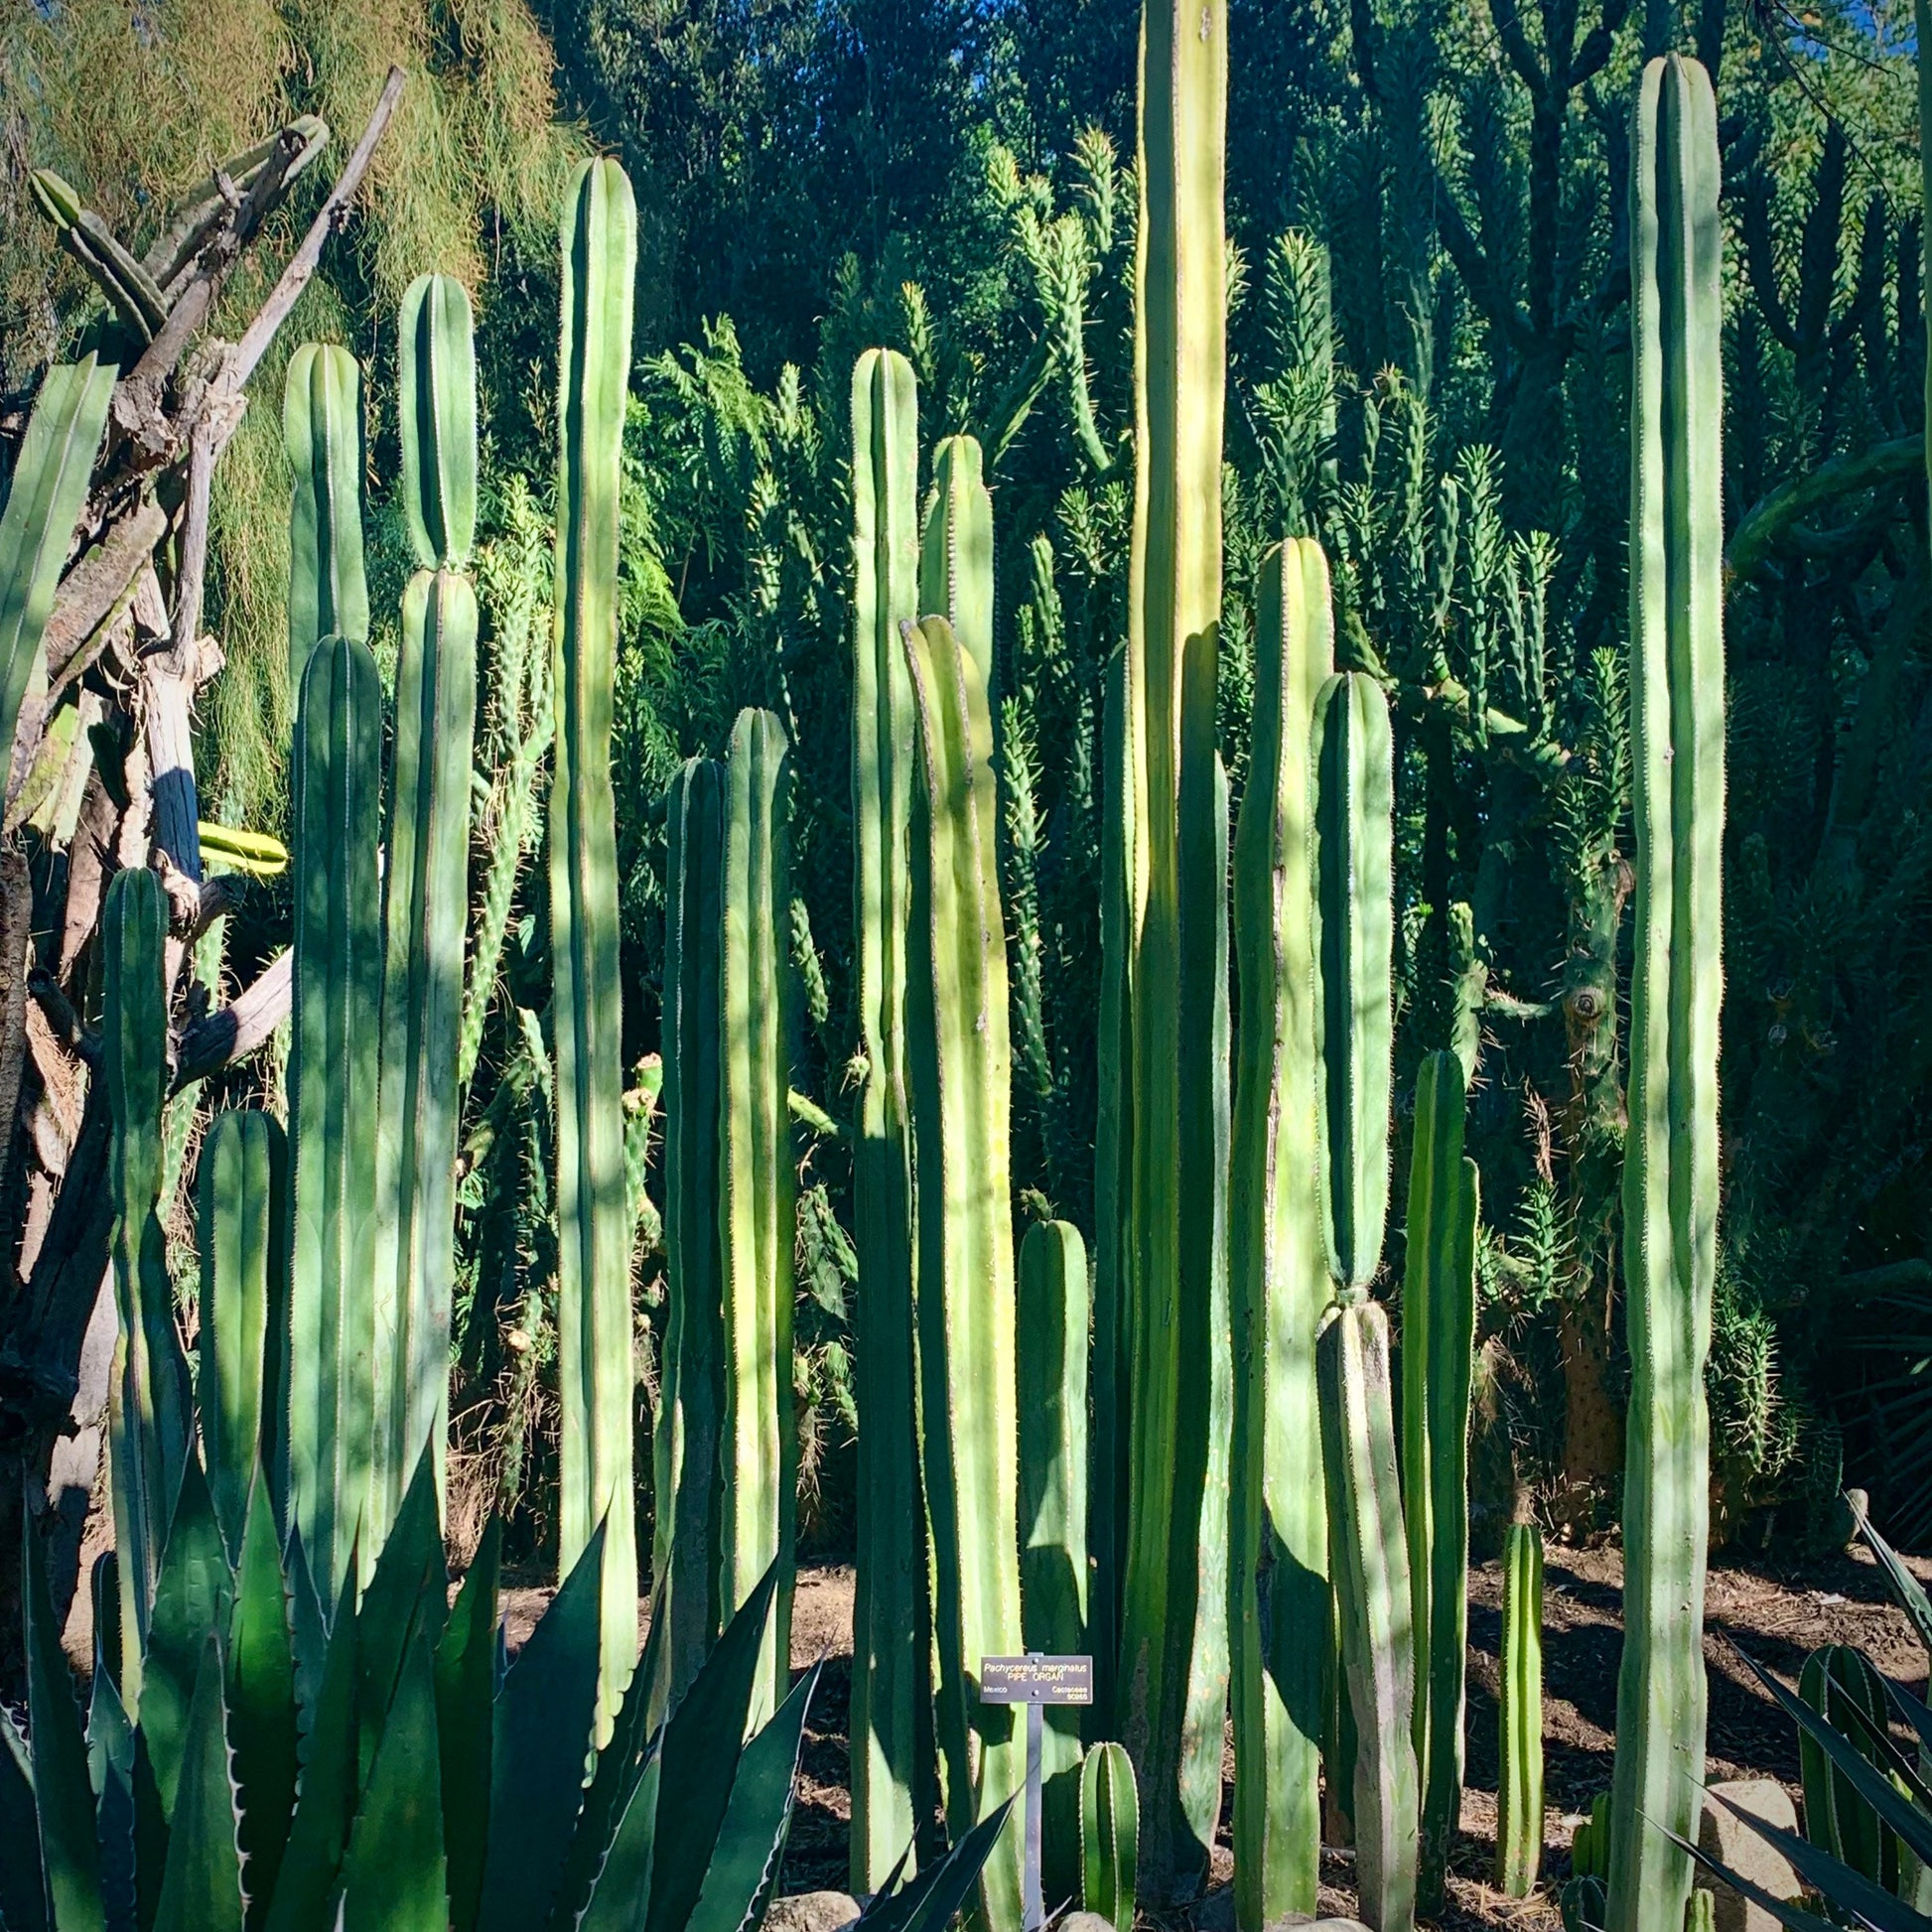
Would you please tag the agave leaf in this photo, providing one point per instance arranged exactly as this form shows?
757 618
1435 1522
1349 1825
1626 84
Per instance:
393 1876
744 1869
620 1892
261 1697
929 1902
23 1898
408 1595
1905 1587
466 1685
325 1803
1832 1878
700 1756
201 1890
71 1859
308 1633
540 1739
1871 1785
618 1767
150 1838
192 1600
1786 1914
110 1757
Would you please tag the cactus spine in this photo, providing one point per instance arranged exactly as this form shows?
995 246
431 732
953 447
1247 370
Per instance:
594 1345
1670 1173
1352 943
242 1211
1110 1827
44 502
1438 1313
1173 1621
337 1012
1053 1316
891 1635
1279 1516
1519 1784
961 1065
757 1190
322 427
427 892
685 1444
149 1425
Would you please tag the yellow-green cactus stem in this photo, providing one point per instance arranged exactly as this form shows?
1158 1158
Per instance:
1670 1171
1519 1780
956 549
321 428
1110 1832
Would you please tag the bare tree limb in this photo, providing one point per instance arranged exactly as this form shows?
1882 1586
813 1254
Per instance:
240 1028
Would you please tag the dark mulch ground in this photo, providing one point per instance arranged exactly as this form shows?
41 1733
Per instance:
1776 1615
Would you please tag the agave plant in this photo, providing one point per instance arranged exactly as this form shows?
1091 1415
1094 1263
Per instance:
390 1770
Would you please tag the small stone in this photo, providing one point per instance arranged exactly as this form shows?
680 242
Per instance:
1723 1835
812 1911
1085 1922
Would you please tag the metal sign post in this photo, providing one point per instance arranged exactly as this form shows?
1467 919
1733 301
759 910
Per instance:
1035 1680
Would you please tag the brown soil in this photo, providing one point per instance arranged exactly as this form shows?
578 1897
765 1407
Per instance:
1776 1616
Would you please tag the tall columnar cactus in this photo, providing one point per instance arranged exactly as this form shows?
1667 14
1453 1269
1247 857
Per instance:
757 1191
322 427
1053 1303
332 1097
425 885
1837 1819
44 502
892 1630
1353 918
956 549
1519 1780
596 1377
1670 1172
960 1062
1278 1529
149 1421
1110 1835
243 1226
685 1443
1438 1315
1172 1683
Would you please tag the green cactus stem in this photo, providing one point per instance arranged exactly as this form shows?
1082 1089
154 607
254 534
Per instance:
1837 1819
758 1192
1053 1300
149 1424
956 549
1519 1784
44 502
1670 1172
961 1066
1173 1661
1278 1608
596 1378
1439 1313
1109 1835
426 889
243 1217
1353 938
890 1687
333 1103
322 427
691 1393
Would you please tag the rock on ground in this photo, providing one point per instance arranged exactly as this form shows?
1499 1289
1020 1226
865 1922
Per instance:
1722 1835
812 1911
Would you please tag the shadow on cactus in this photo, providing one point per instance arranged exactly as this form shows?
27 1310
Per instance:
390 1770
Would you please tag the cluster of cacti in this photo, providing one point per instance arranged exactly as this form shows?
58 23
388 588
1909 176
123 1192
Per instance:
959 1066
1278 1530
1670 1176
45 496
1169 1252
1519 1715
1439 1315
1110 1835
426 896
596 1377
892 1632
